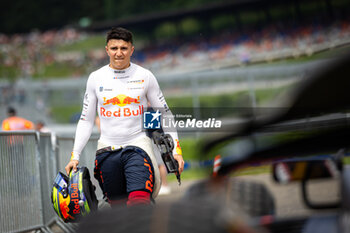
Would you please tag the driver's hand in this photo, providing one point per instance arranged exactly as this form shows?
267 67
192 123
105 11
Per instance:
71 165
180 161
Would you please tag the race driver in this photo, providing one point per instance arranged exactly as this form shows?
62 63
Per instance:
125 165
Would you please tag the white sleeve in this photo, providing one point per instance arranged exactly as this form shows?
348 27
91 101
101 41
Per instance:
157 101
87 118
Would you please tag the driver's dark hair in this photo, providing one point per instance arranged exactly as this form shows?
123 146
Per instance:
119 33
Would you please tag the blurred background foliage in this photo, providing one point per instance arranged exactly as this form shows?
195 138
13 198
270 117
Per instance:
20 16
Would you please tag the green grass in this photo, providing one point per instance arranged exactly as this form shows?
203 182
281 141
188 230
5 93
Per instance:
234 100
62 114
202 173
9 72
190 148
91 42
60 70
346 160
191 174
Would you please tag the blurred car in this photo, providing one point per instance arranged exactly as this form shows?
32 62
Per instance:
285 170
304 145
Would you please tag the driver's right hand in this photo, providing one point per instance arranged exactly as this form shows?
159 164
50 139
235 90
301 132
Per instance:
71 165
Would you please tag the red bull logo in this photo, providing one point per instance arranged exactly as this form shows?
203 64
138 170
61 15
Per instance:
64 207
121 112
121 100
75 198
149 182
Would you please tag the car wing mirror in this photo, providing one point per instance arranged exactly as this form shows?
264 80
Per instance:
304 171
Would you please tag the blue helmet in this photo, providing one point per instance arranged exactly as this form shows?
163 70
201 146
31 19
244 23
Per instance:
74 196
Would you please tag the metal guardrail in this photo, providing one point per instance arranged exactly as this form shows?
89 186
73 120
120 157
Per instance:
20 192
29 162
48 171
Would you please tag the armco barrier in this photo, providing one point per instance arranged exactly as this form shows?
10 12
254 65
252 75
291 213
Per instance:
29 162
48 171
20 182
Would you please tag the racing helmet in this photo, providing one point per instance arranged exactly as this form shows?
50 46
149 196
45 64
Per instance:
73 197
